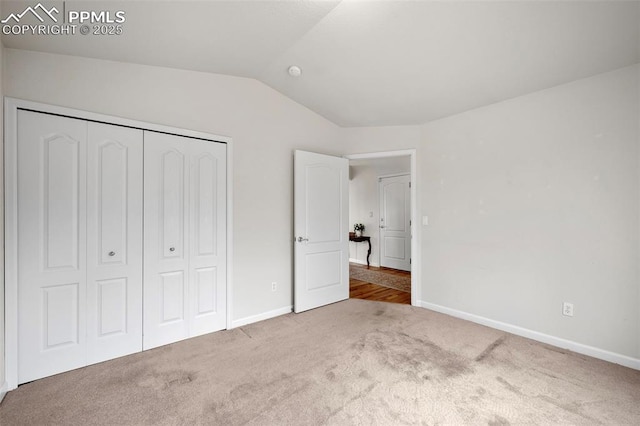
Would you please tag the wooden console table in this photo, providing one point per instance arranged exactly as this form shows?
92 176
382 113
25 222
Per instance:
361 239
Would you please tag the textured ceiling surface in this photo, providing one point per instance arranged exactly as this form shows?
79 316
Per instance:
367 63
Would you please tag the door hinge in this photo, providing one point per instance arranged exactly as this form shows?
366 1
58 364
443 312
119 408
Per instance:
409 184
409 261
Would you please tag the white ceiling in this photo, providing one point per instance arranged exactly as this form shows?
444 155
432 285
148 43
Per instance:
368 63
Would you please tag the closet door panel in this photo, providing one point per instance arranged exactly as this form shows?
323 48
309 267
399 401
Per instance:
172 208
207 260
166 275
114 241
51 244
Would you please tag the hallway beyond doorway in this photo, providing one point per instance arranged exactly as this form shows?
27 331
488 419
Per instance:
380 284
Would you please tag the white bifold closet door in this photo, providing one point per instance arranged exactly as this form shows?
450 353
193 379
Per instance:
79 243
185 238
114 242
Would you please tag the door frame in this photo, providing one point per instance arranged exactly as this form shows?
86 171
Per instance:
415 235
380 213
11 107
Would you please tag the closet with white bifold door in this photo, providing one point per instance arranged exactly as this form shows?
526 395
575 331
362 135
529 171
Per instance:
184 238
121 241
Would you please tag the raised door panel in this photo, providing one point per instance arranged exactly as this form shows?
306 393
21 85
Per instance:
60 200
111 196
60 313
323 204
172 291
166 268
207 260
323 270
395 207
205 201
111 302
114 241
51 244
206 296
172 205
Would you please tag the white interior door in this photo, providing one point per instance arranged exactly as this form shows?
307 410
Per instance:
395 222
321 231
114 242
185 238
207 294
51 244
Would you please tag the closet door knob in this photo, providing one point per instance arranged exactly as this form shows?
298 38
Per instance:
112 253
172 249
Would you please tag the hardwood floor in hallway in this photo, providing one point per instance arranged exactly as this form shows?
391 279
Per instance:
363 290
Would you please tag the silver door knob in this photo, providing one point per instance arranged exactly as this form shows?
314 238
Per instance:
172 249
300 239
112 253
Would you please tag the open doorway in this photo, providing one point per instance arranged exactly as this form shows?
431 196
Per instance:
380 199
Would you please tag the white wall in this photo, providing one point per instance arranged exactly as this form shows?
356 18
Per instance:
535 201
265 126
364 204
532 202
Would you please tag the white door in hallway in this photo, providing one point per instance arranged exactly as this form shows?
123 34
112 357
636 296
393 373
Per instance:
185 238
395 225
321 231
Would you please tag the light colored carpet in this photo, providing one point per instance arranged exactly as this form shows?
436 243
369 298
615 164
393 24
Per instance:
380 277
354 362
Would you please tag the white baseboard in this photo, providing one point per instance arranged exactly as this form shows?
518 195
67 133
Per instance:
3 390
580 348
261 317
362 262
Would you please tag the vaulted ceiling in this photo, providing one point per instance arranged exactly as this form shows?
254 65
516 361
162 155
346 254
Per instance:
367 63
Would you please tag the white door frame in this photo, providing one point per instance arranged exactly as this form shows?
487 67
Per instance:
415 235
11 107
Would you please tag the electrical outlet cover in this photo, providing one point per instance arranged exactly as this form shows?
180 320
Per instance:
567 309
